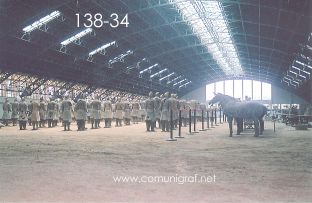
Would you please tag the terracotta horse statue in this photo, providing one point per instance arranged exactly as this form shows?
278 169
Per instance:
233 108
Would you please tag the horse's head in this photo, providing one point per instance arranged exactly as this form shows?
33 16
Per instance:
217 98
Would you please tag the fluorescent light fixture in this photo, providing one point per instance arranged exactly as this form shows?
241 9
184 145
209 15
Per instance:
76 37
293 72
295 82
301 63
42 21
158 73
209 23
176 78
286 79
286 82
179 82
102 48
149 68
293 79
121 57
184 85
167 76
290 77
297 74
300 70
290 81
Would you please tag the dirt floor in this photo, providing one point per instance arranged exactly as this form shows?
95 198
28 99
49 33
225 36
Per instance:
52 165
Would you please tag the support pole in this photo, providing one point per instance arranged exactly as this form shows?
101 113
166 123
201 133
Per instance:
190 122
220 116
203 122
215 113
212 118
194 124
171 128
208 119
180 125
274 124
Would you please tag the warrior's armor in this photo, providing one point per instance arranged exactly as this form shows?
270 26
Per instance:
184 108
127 113
22 109
43 112
81 113
107 113
135 111
95 113
52 109
118 113
150 112
35 116
66 111
6 112
142 111
165 112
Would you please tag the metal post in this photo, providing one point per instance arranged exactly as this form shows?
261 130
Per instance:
208 119
171 128
212 118
220 116
215 112
203 122
274 125
180 125
194 124
190 121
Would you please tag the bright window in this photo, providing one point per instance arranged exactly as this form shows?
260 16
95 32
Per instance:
228 87
238 89
220 87
266 91
247 89
210 91
256 90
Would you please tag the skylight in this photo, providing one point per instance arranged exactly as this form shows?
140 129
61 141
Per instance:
184 85
167 76
42 21
120 58
209 24
149 68
103 48
179 82
76 37
176 78
158 73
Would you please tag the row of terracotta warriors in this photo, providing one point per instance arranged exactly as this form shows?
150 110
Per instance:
154 108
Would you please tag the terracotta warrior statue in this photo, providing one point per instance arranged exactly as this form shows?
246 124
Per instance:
165 112
95 114
22 118
108 113
66 111
150 112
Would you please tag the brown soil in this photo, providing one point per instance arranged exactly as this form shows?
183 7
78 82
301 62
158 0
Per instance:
52 165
